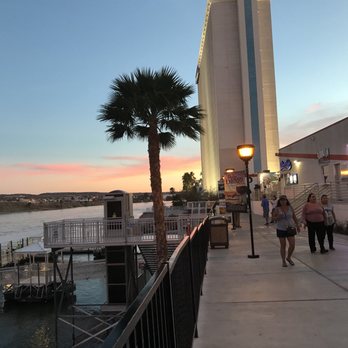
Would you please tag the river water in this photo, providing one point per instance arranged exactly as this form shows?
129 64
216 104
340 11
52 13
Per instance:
29 325
16 226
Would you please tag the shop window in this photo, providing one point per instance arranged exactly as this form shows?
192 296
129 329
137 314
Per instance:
291 179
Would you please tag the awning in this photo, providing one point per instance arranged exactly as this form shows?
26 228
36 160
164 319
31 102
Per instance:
34 249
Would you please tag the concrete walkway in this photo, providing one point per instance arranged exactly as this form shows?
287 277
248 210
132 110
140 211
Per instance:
258 303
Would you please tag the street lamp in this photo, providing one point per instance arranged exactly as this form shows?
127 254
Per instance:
246 153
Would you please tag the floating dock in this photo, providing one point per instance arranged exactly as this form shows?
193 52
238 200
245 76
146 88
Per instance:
36 292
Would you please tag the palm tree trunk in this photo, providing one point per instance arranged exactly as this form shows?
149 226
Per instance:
156 187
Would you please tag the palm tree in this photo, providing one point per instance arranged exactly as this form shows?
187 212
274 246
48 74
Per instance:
152 105
188 181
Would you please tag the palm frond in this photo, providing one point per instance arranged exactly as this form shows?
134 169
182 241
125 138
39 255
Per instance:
167 140
147 94
142 131
119 131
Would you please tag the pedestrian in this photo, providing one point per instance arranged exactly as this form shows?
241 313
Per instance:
287 228
236 220
330 219
313 218
265 208
273 202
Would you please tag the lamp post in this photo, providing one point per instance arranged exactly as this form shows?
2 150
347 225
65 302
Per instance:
246 153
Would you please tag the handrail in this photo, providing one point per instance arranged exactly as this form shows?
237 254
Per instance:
337 193
128 322
164 314
300 199
101 232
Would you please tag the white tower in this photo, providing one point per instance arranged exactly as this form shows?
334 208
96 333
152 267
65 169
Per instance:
236 86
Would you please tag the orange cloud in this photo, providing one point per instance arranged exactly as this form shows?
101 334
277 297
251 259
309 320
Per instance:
129 173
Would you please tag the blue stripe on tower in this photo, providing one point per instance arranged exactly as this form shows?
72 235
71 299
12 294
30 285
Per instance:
255 129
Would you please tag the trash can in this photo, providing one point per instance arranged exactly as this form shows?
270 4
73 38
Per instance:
218 231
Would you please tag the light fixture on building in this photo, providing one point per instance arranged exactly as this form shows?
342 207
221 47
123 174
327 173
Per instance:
246 153
344 172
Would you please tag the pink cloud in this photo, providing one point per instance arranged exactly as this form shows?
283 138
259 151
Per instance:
304 127
43 169
131 175
314 108
172 163
126 158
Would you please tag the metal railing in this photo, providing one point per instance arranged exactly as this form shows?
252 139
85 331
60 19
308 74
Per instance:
164 314
7 249
295 191
299 200
337 192
99 231
37 273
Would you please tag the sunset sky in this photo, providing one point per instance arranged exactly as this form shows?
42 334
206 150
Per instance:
58 59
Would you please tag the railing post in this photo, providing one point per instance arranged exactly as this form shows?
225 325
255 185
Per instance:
18 277
192 287
170 288
125 229
55 297
38 273
98 232
83 231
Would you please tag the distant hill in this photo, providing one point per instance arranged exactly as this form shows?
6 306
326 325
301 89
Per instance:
20 206
23 202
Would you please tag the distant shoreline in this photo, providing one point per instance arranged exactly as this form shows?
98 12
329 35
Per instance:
21 207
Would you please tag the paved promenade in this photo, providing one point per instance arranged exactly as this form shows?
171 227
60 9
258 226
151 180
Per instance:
250 303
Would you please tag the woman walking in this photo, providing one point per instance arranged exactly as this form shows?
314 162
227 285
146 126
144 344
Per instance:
273 203
287 227
330 219
313 217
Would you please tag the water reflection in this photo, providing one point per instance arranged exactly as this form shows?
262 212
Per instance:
30 321
24 325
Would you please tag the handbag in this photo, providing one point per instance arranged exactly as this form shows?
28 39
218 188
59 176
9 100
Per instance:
291 231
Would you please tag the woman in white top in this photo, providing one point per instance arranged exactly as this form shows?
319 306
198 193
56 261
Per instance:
287 226
330 219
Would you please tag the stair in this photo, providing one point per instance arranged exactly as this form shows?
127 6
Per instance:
301 198
149 254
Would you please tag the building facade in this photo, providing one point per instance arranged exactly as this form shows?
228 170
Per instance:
236 87
321 158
